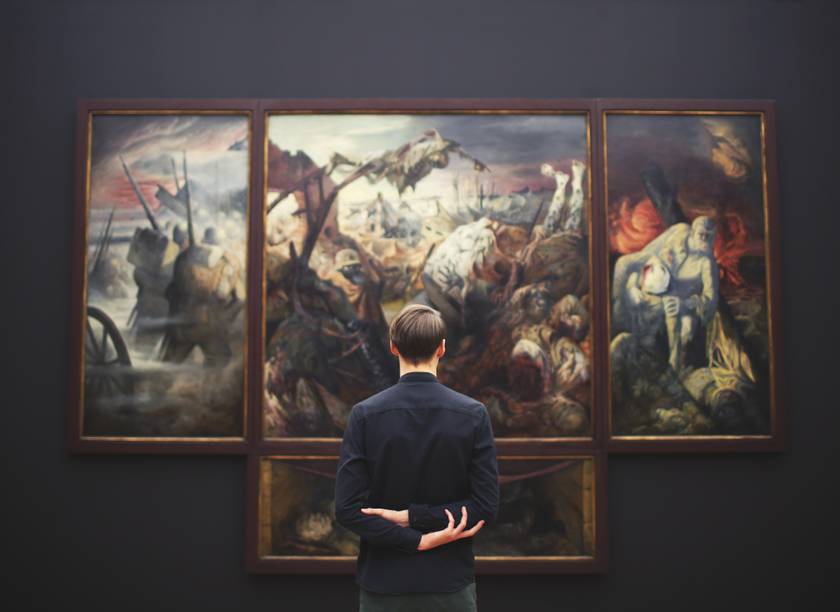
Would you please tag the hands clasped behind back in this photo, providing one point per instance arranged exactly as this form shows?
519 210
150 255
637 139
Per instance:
448 534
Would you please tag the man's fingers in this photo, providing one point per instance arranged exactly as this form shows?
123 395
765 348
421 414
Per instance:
463 522
451 518
473 530
372 511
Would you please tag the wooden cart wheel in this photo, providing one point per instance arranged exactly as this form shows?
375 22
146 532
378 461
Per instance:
106 358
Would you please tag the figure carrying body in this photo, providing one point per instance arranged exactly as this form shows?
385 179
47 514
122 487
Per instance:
691 298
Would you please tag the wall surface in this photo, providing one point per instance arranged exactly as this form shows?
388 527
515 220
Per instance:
734 532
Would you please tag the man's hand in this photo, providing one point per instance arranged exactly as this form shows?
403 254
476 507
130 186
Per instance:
450 533
400 517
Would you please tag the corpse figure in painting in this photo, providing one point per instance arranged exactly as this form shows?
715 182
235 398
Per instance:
689 351
482 217
546 510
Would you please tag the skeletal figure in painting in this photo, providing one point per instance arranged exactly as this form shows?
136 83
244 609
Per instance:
407 165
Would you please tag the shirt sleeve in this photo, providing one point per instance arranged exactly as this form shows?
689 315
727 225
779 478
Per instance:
483 502
352 489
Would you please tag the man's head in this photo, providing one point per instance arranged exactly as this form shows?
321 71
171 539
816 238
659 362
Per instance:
417 335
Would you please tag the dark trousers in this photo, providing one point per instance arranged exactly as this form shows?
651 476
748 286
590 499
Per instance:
459 601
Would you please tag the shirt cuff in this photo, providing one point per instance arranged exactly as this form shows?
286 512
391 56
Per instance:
411 539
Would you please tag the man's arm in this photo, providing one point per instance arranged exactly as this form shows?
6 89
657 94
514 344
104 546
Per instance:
483 502
352 490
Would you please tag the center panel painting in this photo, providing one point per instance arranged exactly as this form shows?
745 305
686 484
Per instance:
483 215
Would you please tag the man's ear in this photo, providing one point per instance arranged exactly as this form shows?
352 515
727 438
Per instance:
442 348
394 349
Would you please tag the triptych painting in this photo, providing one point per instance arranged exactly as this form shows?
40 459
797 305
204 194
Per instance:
607 271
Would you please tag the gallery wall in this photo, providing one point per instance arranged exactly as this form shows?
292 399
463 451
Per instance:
745 532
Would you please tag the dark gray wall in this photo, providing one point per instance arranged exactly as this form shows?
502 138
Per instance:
145 533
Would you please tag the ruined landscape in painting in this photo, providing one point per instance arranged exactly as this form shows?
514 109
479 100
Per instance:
483 217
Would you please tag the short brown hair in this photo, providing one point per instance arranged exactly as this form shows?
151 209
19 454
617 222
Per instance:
417 331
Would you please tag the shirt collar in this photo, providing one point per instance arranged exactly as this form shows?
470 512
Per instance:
418 377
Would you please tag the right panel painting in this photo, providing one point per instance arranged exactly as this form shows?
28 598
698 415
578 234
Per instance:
691 342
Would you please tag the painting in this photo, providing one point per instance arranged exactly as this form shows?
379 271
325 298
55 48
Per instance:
547 517
164 275
484 216
687 220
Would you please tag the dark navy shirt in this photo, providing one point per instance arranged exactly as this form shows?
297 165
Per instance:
421 446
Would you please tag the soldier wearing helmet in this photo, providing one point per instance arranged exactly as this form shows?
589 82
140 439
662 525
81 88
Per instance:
347 262
368 285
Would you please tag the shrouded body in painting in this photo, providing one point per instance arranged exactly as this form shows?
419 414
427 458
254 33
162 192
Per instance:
547 510
690 348
483 217
167 209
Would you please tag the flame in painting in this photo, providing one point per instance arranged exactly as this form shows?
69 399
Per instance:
633 226
731 243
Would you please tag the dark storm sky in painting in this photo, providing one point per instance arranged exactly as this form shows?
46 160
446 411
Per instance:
682 147
150 142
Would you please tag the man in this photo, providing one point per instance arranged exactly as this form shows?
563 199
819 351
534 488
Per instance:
414 457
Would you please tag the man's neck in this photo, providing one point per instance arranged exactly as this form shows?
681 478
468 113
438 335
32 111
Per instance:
405 369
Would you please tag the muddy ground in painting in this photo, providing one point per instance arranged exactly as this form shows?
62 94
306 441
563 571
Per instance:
689 347
483 217
166 246
546 510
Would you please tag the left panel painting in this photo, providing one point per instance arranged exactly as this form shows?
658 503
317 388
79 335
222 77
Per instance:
163 336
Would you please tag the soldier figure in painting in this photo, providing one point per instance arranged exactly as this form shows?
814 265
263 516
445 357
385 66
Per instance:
153 255
691 296
205 296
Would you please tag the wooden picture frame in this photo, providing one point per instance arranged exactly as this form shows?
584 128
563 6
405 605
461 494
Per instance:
734 157
420 109
312 529
737 157
182 124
